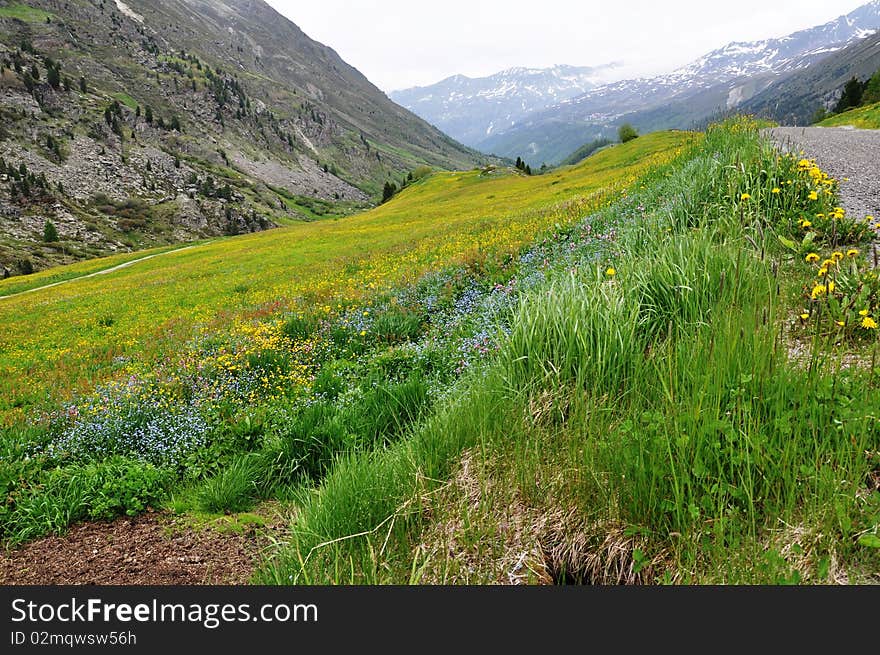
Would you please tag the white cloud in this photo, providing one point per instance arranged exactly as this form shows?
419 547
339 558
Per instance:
401 43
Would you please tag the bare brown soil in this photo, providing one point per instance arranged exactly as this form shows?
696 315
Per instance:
151 549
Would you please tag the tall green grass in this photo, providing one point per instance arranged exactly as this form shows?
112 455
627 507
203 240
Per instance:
659 400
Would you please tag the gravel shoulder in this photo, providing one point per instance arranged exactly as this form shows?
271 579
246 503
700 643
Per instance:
850 155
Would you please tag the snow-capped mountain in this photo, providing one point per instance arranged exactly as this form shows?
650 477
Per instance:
471 109
718 81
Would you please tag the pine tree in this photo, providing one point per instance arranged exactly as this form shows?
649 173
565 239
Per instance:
50 233
54 77
83 87
872 90
388 191
148 115
852 95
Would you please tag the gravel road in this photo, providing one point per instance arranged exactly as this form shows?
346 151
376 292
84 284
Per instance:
852 156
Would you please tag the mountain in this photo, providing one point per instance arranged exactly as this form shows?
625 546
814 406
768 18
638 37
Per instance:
717 82
794 99
472 109
145 122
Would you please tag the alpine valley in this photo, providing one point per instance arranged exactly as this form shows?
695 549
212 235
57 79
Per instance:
718 83
152 122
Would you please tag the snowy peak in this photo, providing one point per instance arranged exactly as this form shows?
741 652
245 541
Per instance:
469 109
718 81
782 55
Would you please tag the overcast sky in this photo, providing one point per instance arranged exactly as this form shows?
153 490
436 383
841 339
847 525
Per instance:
403 43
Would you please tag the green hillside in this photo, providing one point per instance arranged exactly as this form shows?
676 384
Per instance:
867 118
177 121
624 371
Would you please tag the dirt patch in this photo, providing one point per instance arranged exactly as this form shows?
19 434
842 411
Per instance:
151 549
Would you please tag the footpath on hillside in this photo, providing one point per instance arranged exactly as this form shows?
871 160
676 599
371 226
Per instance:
852 156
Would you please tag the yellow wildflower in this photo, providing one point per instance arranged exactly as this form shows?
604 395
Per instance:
864 312
822 272
745 196
837 255
804 316
852 252
812 257
869 323
813 195
776 190
610 272
818 291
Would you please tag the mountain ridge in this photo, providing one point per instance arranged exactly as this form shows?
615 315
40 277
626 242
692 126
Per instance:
471 108
184 119
718 81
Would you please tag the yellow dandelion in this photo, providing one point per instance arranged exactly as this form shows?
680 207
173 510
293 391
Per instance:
776 190
869 323
804 316
864 312
745 196
837 255
852 252
822 272
831 287
813 195
818 291
840 323
611 272
812 257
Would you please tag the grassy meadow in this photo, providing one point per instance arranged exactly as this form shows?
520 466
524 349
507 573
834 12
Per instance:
656 366
68 339
866 118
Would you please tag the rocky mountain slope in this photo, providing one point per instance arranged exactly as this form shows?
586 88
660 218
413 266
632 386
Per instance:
717 82
144 122
472 109
794 98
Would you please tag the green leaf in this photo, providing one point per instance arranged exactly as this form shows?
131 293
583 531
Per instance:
788 243
869 540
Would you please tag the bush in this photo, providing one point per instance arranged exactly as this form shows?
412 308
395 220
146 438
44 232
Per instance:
127 487
627 133
50 232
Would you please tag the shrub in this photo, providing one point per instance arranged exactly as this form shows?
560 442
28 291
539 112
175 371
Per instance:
50 232
627 133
